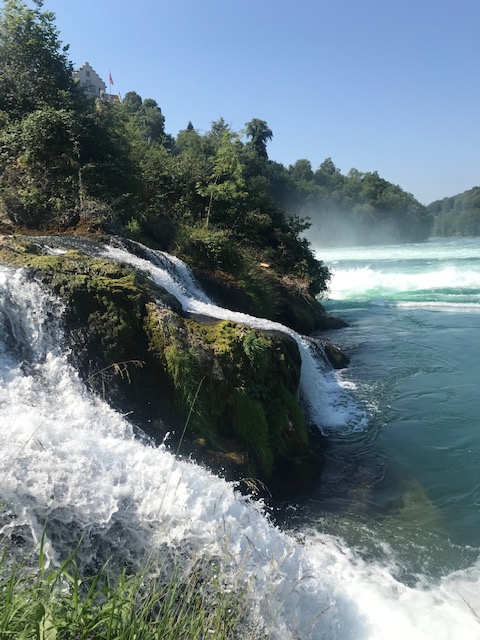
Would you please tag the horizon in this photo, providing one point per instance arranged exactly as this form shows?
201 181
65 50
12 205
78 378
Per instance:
376 89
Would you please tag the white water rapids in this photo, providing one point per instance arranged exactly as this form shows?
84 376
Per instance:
69 459
329 402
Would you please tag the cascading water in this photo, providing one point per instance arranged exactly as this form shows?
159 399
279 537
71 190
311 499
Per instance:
70 461
329 401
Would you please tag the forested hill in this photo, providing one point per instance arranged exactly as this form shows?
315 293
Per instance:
67 161
72 163
357 208
458 215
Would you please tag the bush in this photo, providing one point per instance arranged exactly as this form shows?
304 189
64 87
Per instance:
209 248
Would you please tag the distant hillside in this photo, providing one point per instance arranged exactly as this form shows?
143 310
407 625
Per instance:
215 198
458 215
357 208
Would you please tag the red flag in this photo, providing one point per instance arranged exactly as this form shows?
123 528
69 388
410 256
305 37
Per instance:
110 79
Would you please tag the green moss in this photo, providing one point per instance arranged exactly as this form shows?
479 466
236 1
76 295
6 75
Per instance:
169 342
244 382
296 414
239 383
102 298
250 423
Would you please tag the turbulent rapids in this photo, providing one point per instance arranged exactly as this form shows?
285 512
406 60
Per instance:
447 277
330 405
72 467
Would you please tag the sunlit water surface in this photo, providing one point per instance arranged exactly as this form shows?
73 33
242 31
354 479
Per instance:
386 548
407 488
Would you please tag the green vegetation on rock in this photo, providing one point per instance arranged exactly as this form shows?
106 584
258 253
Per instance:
244 382
240 384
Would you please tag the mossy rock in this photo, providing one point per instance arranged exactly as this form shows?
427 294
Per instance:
262 293
241 383
235 389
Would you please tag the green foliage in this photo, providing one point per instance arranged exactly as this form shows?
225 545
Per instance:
156 603
255 348
109 169
65 160
145 116
259 133
301 171
225 184
133 227
459 215
39 162
356 208
250 423
35 70
209 248
131 102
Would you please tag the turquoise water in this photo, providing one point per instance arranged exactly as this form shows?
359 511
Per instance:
407 489
386 548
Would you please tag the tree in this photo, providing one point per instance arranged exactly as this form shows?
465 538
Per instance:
355 175
146 116
301 170
217 129
38 165
259 133
35 70
458 215
328 176
328 167
131 102
226 182
151 121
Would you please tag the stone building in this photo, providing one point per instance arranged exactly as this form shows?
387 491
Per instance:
90 81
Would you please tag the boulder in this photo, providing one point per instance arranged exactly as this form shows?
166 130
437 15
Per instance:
337 358
226 393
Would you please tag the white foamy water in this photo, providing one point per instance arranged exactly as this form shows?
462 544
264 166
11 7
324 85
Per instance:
440 274
67 458
353 283
452 248
328 398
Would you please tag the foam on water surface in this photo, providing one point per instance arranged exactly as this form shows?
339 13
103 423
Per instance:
69 460
329 400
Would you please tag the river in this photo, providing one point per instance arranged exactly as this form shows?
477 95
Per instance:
388 545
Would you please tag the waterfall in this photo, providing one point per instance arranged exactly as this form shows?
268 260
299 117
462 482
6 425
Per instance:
70 465
328 399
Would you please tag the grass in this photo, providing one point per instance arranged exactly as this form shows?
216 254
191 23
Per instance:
173 598
60 604
164 599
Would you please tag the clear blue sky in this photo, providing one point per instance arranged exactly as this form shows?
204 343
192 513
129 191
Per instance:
374 84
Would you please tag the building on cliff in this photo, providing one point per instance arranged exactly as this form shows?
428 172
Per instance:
90 81
92 84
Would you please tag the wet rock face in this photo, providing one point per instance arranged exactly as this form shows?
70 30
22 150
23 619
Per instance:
337 358
273 298
226 393
242 384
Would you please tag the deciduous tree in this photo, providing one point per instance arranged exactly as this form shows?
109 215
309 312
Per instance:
259 133
35 70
